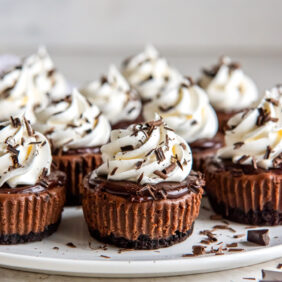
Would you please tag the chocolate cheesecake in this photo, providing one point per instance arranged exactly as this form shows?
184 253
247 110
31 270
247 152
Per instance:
229 89
32 195
186 109
76 130
144 195
244 182
116 99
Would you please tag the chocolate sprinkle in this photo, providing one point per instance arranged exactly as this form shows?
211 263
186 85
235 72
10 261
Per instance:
273 101
243 159
160 154
28 127
114 171
170 168
127 148
267 152
238 145
12 150
140 177
160 174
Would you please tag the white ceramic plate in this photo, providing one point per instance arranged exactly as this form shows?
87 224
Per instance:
89 259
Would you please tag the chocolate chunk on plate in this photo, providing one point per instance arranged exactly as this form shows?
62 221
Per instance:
260 236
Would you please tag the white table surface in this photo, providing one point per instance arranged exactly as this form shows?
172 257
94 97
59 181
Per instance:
265 70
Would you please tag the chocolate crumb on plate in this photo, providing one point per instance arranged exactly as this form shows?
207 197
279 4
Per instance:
106 257
224 227
56 248
279 266
198 250
260 237
249 278
71 245
232 245
187 255
235 250
236 236
216 217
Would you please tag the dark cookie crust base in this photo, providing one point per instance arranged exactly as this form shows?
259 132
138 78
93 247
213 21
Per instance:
144 242
10 239
267 216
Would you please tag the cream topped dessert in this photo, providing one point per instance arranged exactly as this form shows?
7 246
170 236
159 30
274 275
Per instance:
113 95
25 154
186 109
73 122
228 87
28 86
145 153
149 73
254 137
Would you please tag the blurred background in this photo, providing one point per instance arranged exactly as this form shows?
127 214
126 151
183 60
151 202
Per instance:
85 36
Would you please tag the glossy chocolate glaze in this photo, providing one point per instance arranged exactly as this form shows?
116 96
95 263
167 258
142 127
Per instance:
237 169
56 178
139 193
207 143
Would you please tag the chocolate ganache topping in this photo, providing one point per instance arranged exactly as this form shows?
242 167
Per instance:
146 160
25 154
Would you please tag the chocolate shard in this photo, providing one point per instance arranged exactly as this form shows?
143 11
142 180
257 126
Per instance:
260 236
198 250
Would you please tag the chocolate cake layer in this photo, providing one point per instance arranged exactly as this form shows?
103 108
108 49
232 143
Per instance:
245 194
121 212
205 148
76 166
29 210
143 242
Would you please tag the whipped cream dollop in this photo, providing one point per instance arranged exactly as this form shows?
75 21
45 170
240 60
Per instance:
73 122
115 98
29 85
186 109
228 87
25 155
145 153
149 73
255 136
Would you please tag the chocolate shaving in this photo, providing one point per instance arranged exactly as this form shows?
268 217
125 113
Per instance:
277 161
44 172
223 227
194 122
235 250
127 148
264 117
15 122
106 257
12 150
160 155
155 123
183 146
43 183
160 174
273 101
243 159
170 168
267 153
71 245
198 250
140 177
149 153
232 245
139 164
238 145
238 236
114 171
28 127
179 164
35 142
163 109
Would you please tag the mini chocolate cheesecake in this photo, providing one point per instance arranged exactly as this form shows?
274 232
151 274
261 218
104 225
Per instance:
31 195
76 130
244 181
116 99
186 109
144 195
229 89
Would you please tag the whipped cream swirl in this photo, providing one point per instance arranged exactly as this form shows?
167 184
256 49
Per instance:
115 98
73 122
25 155
186 109
28 86
149 73
228 88
146 153
255 136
